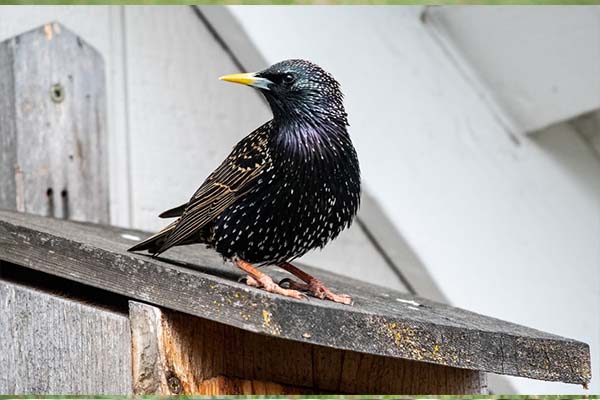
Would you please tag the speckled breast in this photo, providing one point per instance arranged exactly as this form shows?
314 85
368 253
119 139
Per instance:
290 211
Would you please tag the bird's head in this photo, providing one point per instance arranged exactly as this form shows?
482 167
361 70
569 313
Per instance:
297 90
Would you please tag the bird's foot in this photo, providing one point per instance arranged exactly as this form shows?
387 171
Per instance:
250 281
265 282
317 289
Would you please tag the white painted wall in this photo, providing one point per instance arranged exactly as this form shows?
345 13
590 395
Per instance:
508 227
541 64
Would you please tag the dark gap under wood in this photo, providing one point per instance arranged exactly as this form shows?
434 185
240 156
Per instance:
63 287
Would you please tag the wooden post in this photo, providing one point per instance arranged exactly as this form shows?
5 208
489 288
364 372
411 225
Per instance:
53 126
175 353
53 162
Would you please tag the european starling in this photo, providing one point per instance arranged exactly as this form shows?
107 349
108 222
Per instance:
290 186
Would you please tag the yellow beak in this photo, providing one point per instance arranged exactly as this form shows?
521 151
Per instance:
246 79
249 79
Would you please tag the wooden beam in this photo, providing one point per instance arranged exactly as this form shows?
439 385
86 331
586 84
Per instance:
174 353
382 322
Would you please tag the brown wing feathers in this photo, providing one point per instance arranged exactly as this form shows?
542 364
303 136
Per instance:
220 190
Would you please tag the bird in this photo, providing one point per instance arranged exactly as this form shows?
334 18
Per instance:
290 186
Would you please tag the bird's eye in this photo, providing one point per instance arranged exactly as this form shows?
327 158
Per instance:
288 78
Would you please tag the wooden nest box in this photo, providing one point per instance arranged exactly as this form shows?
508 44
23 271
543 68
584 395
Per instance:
79 314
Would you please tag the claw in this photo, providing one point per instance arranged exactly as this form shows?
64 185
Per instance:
250 281
292 284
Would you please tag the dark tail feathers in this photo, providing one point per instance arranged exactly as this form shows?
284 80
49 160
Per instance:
174 212
154 242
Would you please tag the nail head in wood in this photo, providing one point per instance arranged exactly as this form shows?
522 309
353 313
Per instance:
57 93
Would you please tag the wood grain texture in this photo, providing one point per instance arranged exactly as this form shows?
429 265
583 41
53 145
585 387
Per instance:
53 153
55 345
381 322
101 27
157 353
223 385
198 356
8 134
147 350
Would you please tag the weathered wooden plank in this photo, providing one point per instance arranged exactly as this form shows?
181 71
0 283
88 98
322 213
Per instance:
147 352
9 174
102 27
159 368
53 153
223 385
56 345
381 321
198 356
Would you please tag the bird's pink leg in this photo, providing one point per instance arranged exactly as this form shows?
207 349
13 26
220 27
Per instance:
264 281
313 285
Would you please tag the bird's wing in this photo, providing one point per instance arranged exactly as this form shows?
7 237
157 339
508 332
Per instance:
223 187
